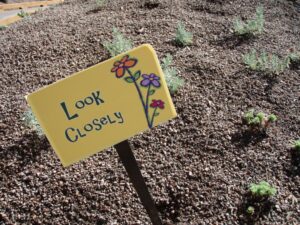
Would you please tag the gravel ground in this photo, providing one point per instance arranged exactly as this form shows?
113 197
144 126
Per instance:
198 166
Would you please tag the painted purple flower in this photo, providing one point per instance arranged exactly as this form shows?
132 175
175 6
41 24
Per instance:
150 79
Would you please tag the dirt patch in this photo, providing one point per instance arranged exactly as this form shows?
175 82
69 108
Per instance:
198 166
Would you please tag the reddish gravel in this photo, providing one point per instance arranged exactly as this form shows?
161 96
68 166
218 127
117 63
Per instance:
198 166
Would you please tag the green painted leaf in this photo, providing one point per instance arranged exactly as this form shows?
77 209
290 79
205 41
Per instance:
129 79
137 75
151 92
156 114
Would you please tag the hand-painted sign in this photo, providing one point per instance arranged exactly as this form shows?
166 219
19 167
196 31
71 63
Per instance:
103 105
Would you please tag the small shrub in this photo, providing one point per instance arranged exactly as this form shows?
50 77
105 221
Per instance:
173 81
100 3
23 14
265 62
118 45
262 189
3 27
250 210
259 120
183 37
294 58
296 145
251 27
31 122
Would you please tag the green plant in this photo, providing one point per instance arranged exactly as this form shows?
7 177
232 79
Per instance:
23 14
250 210
294 57
31 122
183 37
100 3
272 118
265 62
262 189
251 27
173 81
259 120
3 27
296 145
118 45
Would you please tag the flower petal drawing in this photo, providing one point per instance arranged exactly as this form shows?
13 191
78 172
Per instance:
122 68
145 82
157 104
151 79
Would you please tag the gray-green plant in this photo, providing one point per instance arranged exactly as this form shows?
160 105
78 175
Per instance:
262 189
250 210
265 62
183 37
23 14
118 44
294 57
3 27
173 81
100 3
31 122
259 120
296 145
251 27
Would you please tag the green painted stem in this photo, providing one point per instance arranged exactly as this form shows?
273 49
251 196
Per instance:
141 97
153 115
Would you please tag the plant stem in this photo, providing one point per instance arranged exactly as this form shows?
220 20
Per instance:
147 101
153 115
141 97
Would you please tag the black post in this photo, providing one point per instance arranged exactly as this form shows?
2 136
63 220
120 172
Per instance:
130 164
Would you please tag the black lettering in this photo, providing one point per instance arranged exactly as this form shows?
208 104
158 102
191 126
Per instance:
68 135
88 129
110 121
63 105
103 120
88 100
81 135
99 126
96 97
119 116
78 106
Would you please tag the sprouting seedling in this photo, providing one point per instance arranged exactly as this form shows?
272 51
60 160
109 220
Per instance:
250 210
272 118
173 81
23 14
296 145
262 189
183 37
118 45
294 57
100 3
265 62
31 122
3 27
251 27
259 120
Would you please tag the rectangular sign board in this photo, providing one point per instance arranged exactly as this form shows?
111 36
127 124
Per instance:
103 105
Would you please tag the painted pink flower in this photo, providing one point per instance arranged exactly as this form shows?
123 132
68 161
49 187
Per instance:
157 104
121 66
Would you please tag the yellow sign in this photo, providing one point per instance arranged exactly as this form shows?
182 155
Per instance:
103 105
